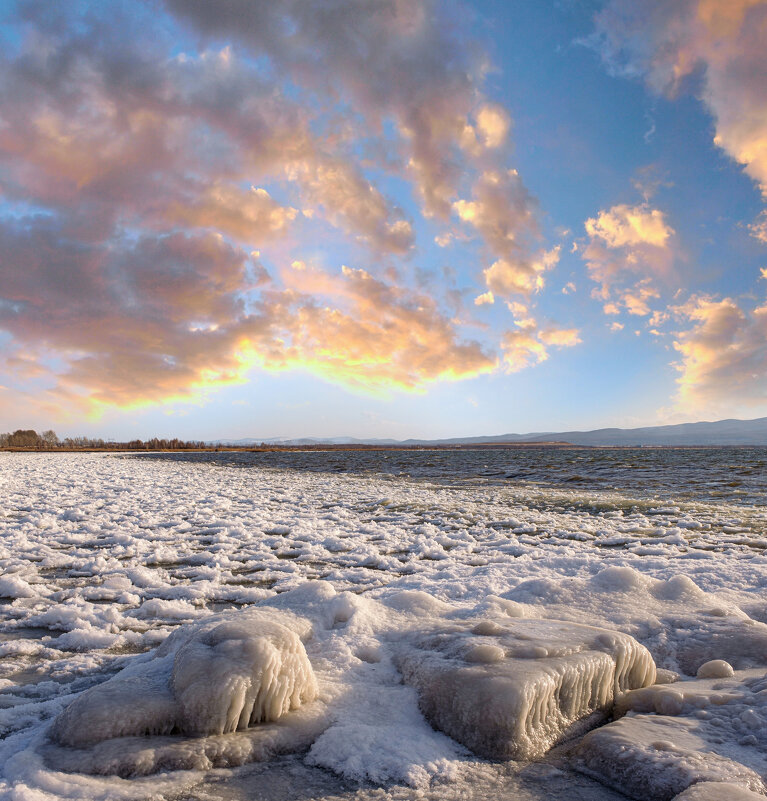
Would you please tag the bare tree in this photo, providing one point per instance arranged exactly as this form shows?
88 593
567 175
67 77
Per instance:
50 438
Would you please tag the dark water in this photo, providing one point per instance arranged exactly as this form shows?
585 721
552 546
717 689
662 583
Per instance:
733 475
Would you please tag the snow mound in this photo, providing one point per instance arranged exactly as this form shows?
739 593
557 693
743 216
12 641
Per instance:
513 689
712 730
210 679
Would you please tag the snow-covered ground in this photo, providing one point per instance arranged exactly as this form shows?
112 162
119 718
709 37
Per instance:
103 557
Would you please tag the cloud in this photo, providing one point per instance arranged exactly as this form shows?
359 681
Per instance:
372 337
486 298
758 228
508 277
635 300
723 356
351 202
665 42
503 213
626 226
522 349
560 337
148 185
249 216
626 242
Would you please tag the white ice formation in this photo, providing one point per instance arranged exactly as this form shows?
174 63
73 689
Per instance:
207 679
678 735
512 690
718 791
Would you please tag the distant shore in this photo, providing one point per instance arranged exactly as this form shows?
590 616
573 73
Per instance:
481 446
478 446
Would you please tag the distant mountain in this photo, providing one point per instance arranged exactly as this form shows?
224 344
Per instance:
721 432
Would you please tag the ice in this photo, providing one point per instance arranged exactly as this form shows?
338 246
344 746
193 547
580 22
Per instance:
512 689
715 669
142 756
223 676
718 791
676 735
104 558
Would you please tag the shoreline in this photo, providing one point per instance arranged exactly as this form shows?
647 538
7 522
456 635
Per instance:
479 446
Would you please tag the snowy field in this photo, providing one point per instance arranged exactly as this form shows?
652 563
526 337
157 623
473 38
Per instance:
381 614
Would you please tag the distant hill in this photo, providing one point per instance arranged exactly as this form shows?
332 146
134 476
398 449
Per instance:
720 432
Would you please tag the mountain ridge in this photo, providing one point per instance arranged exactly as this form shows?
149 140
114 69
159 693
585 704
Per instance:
715 433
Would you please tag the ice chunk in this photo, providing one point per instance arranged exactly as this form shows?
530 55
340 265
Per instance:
512 688
657 757
718 791
225 675
715 669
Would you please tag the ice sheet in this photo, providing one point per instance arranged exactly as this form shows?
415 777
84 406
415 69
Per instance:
103 558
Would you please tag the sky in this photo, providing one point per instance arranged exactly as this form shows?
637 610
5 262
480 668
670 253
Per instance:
381 218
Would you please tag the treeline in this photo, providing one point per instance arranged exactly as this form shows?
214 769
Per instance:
49 440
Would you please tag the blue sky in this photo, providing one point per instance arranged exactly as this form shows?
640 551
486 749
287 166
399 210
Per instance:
393 219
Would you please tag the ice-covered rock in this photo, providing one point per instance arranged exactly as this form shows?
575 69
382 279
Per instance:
208 679
511 689
657 757
675 736
718 791
130 757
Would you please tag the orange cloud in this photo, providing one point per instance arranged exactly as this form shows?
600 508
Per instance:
163 176
758 228
508 277
630 226
522 349
625 241
249 216
723 356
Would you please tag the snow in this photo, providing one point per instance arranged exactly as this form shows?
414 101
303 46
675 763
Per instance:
511 689
115 568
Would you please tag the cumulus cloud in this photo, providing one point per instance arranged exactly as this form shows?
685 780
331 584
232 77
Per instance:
249 216
508 277
486 298
628 247
630 226
723 356
522 349
373 337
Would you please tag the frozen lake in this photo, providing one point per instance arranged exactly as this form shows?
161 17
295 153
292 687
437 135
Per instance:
104 556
